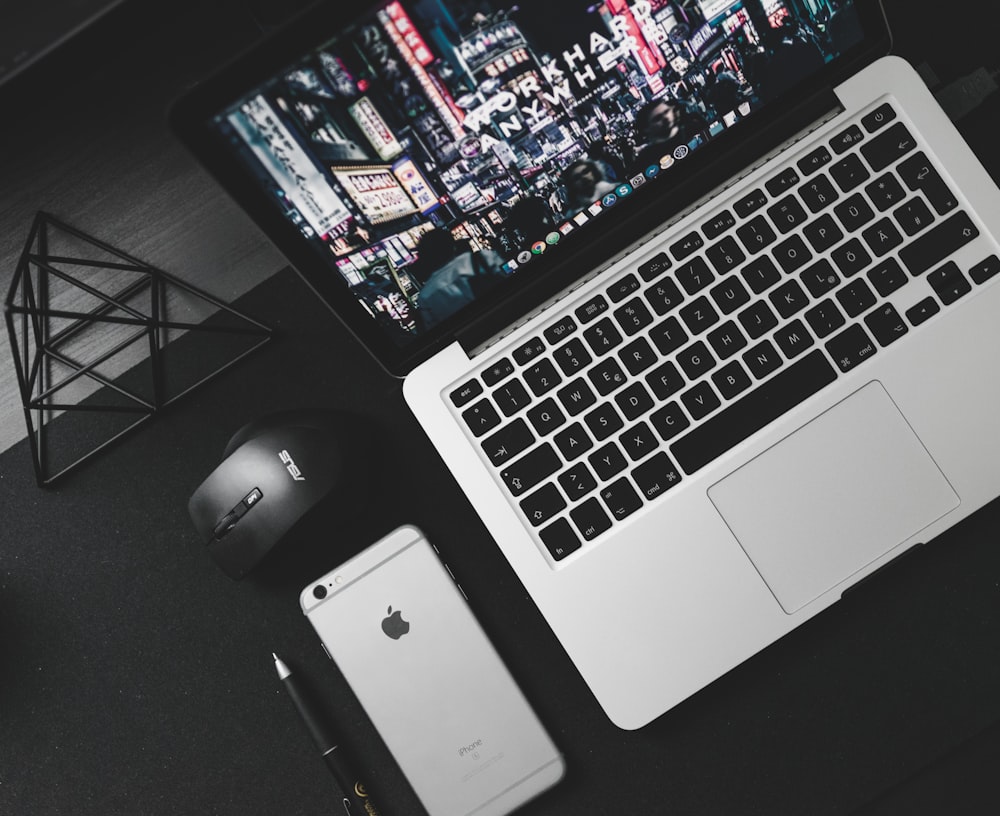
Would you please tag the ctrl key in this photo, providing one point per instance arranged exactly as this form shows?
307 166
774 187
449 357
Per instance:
851 347
560 539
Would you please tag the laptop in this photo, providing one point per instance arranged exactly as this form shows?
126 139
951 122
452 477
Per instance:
696 300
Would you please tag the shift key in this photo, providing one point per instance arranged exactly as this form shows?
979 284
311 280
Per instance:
937 244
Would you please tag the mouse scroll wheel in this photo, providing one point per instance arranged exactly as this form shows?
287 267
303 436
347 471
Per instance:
226 524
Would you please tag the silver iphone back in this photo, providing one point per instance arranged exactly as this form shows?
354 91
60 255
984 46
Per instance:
399 629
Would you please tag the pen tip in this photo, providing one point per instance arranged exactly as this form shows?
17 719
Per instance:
274 656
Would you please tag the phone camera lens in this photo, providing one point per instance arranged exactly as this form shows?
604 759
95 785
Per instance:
319 591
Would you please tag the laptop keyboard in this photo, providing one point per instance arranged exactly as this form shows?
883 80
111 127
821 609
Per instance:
727 328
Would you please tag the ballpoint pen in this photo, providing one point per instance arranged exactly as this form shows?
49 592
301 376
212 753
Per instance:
355 794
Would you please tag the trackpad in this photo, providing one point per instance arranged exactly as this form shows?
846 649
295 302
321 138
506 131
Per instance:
833 496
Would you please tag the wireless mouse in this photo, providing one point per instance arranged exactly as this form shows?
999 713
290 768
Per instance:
274 473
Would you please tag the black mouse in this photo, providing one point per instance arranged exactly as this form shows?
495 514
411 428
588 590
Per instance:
274 473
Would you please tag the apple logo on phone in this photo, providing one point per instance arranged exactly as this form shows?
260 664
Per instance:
394 625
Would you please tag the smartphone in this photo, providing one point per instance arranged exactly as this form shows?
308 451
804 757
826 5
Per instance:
401 632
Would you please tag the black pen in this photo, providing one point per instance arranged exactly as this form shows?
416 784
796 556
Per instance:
356 799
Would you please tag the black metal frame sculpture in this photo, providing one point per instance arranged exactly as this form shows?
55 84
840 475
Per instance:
28 308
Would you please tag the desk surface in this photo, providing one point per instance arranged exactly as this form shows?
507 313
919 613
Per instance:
136 678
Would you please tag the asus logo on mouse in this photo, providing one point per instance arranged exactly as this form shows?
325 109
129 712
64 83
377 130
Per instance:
290 466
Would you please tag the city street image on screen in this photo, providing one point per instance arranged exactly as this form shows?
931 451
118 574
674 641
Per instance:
439 146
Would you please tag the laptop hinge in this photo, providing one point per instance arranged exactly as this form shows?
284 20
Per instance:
541 294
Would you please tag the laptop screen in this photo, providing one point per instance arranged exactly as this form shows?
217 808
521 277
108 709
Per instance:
436 150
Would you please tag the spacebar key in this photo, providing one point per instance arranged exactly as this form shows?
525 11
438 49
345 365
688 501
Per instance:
747 416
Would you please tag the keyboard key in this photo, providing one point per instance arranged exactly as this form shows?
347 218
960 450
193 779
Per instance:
757 319
498 371
560 330
607 376
559 539
762 359
789 298
919 174
793 339
622 288
572 357
633 316
754 411
725 255
730 295
878 118
696 360
851 347
687 245
750 203
731 380
531 469
621 499
546 417
665 380
668 335
984 270
694 275
886 324
638 441
851 257
603 421
888 146
849 173
663 296
529 351
669 420
934 246
786 214
656 476
854 213
822 233
543 504
634 401
824 318
913 216
792 254
590 519
818 193
718 224
882 237
814 160
607 461
593 308
573 441
508 442
577 482
637 356
761 274
887 277
819 278
464 394
481 417
701 400
885 192
856 298
846 139
602 336
576 397
922 311
652 269
511 397
699 315
541 377
783 182
727 339
756 234
949 283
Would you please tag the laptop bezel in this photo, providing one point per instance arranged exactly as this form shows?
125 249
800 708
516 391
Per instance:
190 118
